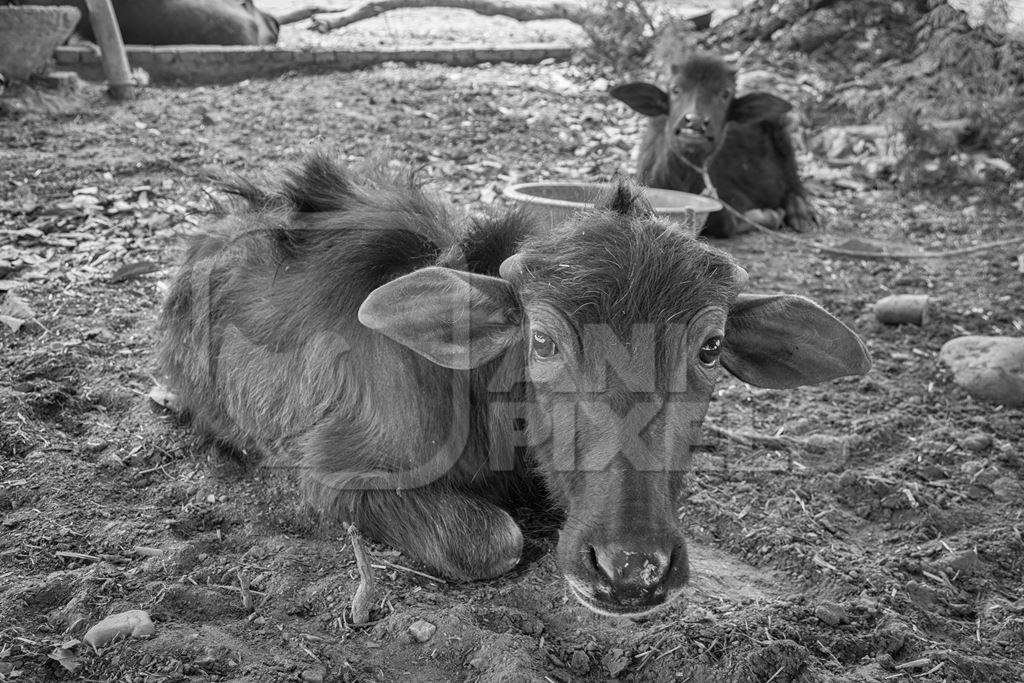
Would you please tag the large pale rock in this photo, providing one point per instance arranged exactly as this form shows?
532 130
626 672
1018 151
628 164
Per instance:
990 368
29 35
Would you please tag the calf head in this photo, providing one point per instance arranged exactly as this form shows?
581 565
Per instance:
700 102
622 326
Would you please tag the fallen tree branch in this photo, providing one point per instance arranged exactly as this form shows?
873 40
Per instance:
519 11
297 15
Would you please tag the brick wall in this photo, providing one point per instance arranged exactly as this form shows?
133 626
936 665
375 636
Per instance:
202 64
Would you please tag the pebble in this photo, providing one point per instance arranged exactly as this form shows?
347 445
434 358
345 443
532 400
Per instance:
579 662
989 368
832 614
962 562
976 442
1009 489
316 675
971 467
986 476
135 623
422 630
96 445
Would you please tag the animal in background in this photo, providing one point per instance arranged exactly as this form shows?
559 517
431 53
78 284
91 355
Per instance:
424 374
742 142
181 22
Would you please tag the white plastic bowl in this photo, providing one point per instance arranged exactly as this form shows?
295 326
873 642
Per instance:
557 201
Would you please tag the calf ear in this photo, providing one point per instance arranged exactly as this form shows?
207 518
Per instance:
779 342
757 106
456 319
644 98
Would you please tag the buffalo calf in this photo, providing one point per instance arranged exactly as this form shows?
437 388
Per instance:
422 371
741 141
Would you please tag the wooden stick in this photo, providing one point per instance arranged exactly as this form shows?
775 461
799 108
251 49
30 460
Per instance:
363 598
112 52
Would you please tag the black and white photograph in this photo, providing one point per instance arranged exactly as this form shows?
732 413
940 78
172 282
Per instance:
500 341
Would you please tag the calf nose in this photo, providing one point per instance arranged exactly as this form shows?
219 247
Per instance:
639 575
693 122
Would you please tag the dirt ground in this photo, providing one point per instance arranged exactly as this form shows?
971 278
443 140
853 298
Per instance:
884 542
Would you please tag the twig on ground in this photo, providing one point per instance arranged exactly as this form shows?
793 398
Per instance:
386 563
363 598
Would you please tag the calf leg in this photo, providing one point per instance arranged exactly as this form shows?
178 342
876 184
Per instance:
460 536
800 215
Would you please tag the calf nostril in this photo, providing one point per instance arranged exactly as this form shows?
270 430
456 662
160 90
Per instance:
630 570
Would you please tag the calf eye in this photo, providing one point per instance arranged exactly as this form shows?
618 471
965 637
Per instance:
543 346
710 351
726 94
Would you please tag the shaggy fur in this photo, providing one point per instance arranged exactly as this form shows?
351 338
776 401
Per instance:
259 337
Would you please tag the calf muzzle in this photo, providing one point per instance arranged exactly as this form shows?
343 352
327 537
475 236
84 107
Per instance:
630 578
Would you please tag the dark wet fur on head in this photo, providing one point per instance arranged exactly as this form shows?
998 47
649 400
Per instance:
703 68
621 267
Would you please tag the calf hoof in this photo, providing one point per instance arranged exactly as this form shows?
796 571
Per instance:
800 217
766 218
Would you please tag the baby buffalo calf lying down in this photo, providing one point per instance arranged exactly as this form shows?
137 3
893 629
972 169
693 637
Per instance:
422 372
742 140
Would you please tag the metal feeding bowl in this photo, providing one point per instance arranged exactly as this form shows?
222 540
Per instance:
557 201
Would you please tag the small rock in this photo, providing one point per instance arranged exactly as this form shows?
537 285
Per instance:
579 662
422 630
1008 488
921 594
135 623
96 445
931 472
615 661
314 675
986 476
962 562
989 368
976 442
832 614
971 467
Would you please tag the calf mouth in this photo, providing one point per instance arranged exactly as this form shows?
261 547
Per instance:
589 599
694 136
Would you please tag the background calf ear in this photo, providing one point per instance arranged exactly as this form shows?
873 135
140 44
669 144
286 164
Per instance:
456 319
757 106
779 342
644 98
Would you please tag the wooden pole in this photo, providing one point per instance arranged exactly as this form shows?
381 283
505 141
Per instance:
115 59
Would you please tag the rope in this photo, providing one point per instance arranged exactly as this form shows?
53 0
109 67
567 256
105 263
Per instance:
710 191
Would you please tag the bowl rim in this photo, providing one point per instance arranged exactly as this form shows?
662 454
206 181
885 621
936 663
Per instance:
515 193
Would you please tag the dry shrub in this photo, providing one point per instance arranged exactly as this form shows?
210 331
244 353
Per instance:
961 72
624 36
